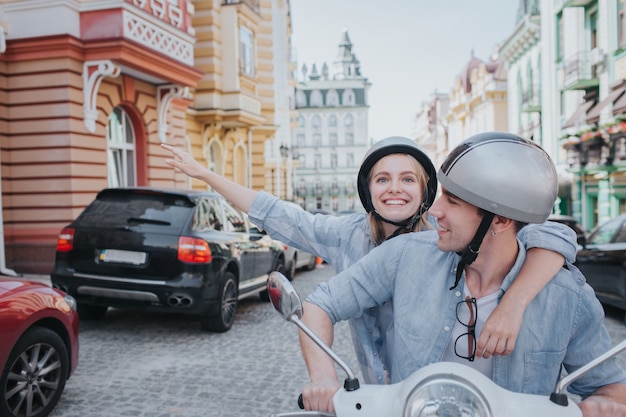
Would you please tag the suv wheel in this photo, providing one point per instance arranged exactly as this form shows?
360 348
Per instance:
91 312
35 374
228 305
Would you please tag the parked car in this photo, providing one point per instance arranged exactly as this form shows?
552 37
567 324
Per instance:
39 348
295 258
603 261
581 235
180 251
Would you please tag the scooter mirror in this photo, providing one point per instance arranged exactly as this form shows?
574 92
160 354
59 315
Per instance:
284 296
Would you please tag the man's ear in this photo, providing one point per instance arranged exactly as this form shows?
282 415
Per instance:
501 223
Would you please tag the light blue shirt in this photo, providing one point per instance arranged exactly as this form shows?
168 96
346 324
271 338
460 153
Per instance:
563 325
343 240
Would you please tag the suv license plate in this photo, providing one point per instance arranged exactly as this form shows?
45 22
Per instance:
122 256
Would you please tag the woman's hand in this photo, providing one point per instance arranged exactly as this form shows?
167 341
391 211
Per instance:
500 331
184 161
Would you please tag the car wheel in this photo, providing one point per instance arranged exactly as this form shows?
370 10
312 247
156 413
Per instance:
35 374
223 321
91 312
311 265
290 272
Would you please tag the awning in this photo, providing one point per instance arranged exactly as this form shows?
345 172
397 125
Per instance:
619 107
593 116
578 114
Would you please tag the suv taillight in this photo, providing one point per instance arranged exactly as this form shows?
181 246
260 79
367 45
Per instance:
193 250
65 240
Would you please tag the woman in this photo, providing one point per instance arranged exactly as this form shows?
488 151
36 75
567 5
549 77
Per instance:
396 184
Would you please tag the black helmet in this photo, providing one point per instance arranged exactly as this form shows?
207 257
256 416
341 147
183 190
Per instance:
389 146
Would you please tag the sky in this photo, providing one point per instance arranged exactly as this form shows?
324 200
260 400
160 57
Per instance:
408 49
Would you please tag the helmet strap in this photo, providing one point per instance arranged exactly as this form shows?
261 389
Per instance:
405 225
471 252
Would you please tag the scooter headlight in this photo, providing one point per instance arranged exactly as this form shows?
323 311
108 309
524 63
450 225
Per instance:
447 396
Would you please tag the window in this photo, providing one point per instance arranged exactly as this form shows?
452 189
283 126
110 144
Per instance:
348 98
333 161
246 45
207 215
317 140
349 139
348 122
300 99
621 23
350 160
316 99
301 121
560 37
215 157
332 139
332 121
301 140
332 98
235 221
318 161
121 150
593 29
316 122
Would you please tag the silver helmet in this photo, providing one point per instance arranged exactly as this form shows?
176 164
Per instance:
503 174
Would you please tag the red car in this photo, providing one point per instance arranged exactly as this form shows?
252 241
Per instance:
38 348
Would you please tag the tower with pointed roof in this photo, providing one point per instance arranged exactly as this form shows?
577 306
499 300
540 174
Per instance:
331 136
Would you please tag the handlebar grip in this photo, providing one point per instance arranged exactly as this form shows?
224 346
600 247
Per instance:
300 402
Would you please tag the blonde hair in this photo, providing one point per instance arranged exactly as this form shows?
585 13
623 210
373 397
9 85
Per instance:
376 225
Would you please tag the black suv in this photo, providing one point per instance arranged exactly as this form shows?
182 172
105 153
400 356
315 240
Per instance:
182 251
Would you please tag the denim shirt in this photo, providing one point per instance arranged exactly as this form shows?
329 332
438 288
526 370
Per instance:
563 325
343 240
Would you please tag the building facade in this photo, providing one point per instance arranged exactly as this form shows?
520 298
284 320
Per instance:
91 88
331 136
587 44
478 100
430 128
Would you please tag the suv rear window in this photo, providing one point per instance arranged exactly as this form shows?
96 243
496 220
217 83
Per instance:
136 209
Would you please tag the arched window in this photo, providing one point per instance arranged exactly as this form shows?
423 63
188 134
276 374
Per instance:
301 121
332 120
240 165
316 99
300 99
348 97
214 156
348 122
332 98
121 154
316 122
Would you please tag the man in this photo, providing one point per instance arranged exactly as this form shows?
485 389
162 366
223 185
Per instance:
444 284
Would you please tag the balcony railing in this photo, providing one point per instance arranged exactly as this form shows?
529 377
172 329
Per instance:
578 73
252 4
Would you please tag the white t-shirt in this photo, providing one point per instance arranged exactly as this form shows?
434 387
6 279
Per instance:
485 306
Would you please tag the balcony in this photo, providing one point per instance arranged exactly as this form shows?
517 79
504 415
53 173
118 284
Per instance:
577 73
531 101
560 4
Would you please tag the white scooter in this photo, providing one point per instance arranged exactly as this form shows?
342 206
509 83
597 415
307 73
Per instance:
444 389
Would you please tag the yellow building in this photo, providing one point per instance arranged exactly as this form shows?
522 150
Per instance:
90 88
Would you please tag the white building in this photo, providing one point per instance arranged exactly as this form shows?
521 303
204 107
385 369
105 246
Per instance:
331 137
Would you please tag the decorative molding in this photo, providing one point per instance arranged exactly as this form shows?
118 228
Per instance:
158 39
93 73
165 95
